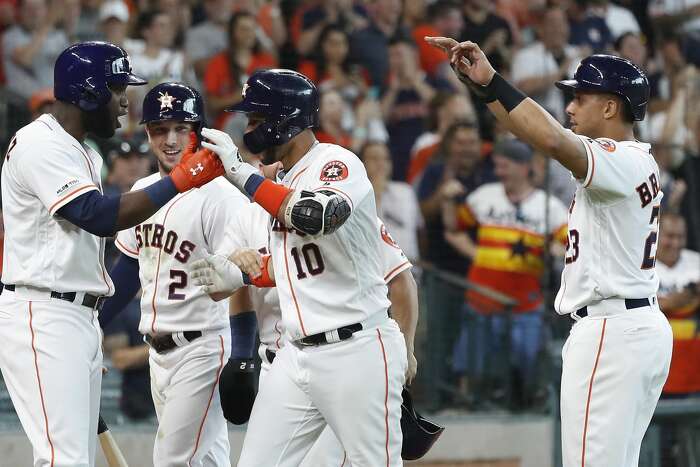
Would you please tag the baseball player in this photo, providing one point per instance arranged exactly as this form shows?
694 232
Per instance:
346 361
617 356
56 220
188 332
250 234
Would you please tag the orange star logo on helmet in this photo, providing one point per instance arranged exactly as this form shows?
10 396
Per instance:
166 100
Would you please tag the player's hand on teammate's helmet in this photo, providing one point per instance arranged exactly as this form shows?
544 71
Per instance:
217 276
196 169
237 171
237 389
467 60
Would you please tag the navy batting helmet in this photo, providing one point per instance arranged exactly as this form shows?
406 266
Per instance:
419 434
83 72
615 75
173 101
287 100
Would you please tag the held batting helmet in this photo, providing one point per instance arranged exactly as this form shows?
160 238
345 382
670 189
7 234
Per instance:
615 75
419 434
288 101
173 101
83 72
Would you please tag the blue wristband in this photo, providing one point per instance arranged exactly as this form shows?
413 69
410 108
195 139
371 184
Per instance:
253 183
243 329
161 192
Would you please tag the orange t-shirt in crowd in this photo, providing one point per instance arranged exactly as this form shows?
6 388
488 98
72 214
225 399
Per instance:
345 140
219 82
430 57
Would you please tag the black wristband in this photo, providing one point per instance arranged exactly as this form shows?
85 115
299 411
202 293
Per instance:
508 95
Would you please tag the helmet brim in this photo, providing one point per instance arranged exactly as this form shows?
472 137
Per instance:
243 106
568 84
136 80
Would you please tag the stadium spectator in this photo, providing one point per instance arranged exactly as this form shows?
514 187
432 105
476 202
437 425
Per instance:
369 46
588 29
618 18
513 226
444 109
405 103
456 170
397 204
345 14
679 296
41 102
180 18
154 58
331 66
86 14
485 27
209 37
124 346
127 162
444 19
114 23
228 71
339 125
536 67
30 48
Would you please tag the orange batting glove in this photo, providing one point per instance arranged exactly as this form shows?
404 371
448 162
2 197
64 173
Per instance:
196 168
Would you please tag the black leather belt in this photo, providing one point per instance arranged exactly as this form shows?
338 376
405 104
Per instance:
270 355
163 342
630 304
91 301
344 333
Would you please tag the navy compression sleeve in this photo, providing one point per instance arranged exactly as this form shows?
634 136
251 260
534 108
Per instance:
97 213
125 275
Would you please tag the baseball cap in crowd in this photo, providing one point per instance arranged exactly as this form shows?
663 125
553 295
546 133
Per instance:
114 9
126 149
514 150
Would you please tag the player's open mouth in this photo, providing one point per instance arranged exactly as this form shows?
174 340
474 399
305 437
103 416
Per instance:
172 153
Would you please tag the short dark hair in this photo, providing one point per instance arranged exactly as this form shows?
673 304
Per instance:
461 124
441 8
146 19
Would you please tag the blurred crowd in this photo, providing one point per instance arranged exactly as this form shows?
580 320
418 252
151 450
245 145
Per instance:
455 191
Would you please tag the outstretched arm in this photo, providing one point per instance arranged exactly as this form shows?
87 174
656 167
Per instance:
520 114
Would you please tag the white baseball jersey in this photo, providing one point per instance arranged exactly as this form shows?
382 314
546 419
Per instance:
325 282
251 230
191 226
44 169
613 226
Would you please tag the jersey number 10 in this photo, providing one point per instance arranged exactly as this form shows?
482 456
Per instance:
312 259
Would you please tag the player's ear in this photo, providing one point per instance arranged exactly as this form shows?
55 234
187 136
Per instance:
612 106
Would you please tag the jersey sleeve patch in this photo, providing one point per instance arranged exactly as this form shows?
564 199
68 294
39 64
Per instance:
388 239
607 144
334 171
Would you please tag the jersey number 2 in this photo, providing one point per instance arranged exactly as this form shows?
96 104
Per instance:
179 281
312 258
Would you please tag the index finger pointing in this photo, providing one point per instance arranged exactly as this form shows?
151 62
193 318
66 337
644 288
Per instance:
445 43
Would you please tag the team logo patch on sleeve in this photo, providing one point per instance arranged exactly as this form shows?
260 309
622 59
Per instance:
334 171
386 236
607 144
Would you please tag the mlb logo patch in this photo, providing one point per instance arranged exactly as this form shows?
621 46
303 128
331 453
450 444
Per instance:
334 171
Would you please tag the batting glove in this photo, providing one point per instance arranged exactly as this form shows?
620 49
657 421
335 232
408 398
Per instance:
216 275
195 168
237 171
